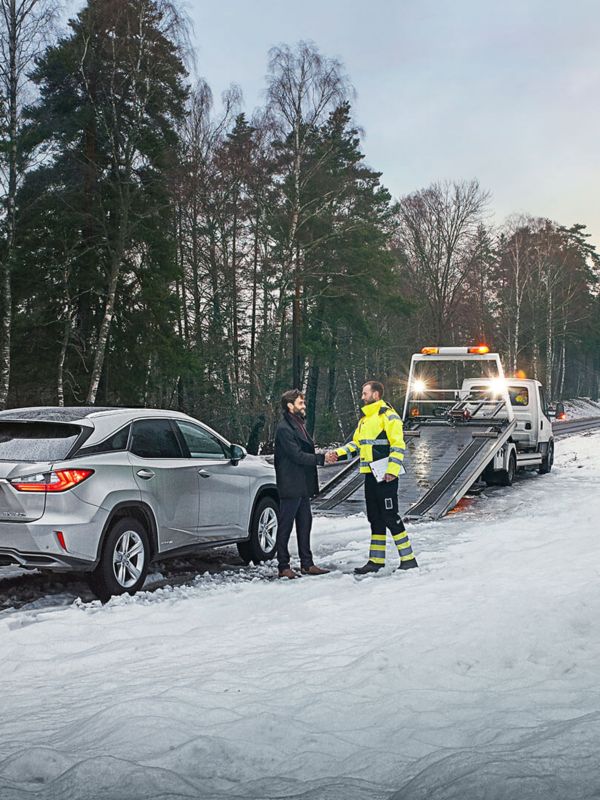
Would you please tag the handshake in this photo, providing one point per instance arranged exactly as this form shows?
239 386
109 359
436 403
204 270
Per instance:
331 457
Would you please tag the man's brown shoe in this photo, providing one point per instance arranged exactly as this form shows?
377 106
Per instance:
288 573
313 570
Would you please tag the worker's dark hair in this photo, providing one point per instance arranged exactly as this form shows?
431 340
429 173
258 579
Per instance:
376 386
290 397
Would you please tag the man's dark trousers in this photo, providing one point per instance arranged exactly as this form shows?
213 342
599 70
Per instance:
294 509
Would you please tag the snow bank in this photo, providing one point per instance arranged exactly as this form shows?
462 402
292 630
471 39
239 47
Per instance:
477 676
582 407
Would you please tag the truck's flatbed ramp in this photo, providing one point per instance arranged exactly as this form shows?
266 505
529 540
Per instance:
442 461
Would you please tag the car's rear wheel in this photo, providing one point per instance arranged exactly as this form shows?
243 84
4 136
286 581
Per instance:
123 562
262 543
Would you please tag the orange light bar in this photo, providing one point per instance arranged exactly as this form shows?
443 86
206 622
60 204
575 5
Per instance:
430 351
480 350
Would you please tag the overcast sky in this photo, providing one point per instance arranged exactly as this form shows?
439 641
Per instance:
506 91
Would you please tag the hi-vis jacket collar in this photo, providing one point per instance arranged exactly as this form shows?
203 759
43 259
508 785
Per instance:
380 407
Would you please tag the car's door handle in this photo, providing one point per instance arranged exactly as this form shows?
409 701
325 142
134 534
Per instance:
146 474
203 473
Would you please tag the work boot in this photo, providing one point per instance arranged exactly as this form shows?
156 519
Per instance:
288 573
370 566
314 570
411 564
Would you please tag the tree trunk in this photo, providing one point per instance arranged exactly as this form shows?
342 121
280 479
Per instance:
311 395
11 210
109 308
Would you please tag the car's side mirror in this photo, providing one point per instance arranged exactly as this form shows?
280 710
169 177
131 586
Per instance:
238 453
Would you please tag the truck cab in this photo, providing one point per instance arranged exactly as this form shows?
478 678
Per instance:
529 406
532 436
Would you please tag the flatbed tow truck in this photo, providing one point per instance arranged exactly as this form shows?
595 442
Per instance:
458 438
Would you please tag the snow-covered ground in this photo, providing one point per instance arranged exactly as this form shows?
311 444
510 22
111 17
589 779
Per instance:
477 676
582 407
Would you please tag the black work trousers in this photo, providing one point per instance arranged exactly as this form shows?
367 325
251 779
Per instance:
298 510
382 505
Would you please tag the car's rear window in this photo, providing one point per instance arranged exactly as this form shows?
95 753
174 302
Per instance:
36 441
519 396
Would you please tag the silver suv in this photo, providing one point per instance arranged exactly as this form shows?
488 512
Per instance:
107 490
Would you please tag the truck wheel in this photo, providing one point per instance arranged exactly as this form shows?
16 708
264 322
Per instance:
548 459
124 560
263 533
505 477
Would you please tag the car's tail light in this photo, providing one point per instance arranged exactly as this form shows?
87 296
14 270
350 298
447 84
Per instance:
58 480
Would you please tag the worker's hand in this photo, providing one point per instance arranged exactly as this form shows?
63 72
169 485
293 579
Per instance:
331 457
388 478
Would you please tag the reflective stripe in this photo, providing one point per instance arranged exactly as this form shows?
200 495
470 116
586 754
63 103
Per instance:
399 449
365 464
405 548
396 460
407 558
374 441
378 547
403 537
392 416
353 447
377 560
378 537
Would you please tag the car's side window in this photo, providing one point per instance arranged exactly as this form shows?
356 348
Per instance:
201 443
118 441
154 438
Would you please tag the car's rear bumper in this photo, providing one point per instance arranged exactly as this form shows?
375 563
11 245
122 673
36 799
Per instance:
38 545
55 563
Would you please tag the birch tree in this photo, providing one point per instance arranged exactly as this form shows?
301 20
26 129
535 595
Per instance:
24 26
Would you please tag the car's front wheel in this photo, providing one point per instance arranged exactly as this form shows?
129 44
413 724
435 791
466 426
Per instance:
262 543
123 562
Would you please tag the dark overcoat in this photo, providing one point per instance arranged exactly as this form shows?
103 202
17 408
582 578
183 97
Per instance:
295 461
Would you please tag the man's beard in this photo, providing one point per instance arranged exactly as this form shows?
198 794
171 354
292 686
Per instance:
299 413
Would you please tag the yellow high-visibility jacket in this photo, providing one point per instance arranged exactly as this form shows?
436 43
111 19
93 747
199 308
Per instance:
378 435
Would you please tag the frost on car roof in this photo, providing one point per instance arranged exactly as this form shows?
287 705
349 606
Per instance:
53 413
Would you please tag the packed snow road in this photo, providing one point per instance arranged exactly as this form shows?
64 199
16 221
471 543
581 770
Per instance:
477 676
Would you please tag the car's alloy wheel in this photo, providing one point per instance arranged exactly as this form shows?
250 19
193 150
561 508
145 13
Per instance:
262 543
123 561
267 529
129 557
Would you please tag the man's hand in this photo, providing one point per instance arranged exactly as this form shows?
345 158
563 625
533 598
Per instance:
387 477
331 457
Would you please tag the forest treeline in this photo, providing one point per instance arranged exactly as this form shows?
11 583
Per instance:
159 249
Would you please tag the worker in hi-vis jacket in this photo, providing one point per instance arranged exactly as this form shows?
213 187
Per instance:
379 436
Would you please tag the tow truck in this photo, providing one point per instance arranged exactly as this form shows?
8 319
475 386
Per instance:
486 430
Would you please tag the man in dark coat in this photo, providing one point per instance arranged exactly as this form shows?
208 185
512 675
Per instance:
297 481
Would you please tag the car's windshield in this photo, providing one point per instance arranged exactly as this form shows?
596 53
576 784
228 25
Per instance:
36 441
